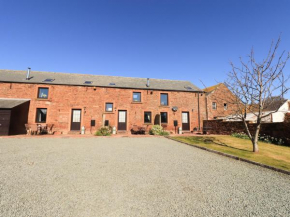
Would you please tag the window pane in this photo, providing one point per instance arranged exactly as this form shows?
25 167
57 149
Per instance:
41 115
163 117
76 116
136 97
147 117
122 117
109 107
184 117
43 93
164 99
213 105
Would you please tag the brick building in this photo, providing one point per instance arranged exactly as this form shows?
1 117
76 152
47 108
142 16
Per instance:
220 102
69 101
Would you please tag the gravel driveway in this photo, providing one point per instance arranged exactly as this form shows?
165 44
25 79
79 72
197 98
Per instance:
132 177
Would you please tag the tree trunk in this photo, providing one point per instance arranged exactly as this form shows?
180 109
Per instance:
255 138
255 146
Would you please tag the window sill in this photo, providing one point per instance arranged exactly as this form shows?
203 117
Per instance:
136 103
148 124
164 106
40 99
109 112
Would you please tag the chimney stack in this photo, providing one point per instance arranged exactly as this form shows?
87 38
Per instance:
148 83
28 74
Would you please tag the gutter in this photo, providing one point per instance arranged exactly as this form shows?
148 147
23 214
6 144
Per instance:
132 88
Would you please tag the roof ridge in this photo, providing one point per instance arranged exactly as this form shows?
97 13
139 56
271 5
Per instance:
116 76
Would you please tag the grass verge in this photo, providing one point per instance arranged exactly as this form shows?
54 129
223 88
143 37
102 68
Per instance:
269 154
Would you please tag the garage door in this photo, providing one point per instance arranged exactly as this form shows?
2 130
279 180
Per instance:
4 122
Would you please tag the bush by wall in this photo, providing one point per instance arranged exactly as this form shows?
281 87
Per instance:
104 131
158 130
263 138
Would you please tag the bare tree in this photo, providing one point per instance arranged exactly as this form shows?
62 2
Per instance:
255 84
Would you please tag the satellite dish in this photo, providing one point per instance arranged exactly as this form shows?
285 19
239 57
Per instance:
174 108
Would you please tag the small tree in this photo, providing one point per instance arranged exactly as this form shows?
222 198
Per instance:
255 84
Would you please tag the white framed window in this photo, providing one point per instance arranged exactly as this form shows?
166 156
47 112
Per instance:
214 106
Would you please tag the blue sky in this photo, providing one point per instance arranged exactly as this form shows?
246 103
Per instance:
187 40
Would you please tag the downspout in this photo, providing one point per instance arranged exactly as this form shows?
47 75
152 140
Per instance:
198 111
206 108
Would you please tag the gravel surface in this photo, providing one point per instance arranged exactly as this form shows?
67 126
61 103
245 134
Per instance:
132 177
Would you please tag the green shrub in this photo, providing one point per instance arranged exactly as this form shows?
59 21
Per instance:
104 131
158 130
240 135
262 138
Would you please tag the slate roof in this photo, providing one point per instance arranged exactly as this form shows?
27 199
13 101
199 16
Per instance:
11 103
97 80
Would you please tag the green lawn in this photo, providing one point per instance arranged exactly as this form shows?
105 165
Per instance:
272 155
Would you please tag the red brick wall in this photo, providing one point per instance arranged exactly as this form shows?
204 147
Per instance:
62 99
278 130
221 95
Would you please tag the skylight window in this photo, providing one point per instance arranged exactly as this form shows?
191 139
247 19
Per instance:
48 80
88 82
112 84
188 88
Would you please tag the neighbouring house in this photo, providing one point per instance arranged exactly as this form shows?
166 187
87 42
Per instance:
274 111
219 102
70 101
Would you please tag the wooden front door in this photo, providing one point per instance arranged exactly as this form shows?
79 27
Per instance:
185 121
76 119
122 120
4 122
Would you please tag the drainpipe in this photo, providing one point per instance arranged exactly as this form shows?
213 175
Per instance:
206 108
198 111
28 74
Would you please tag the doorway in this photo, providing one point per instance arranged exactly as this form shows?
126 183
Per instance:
76 119
185 121
122 120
